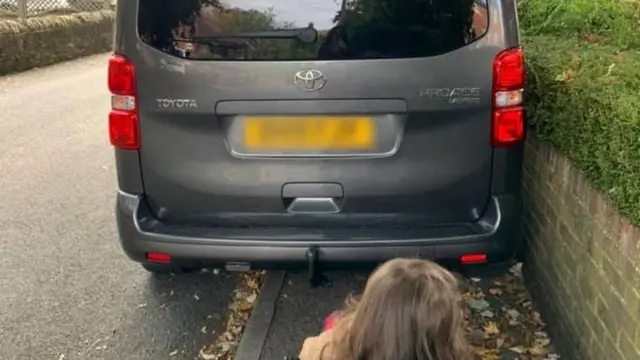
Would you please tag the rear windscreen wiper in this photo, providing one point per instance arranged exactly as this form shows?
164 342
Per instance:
307 35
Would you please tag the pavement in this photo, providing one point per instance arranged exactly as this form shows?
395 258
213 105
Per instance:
66 289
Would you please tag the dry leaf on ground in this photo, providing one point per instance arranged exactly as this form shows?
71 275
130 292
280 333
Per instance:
244 297
502 319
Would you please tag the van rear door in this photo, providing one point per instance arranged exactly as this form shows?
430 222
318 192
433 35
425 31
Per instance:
379 108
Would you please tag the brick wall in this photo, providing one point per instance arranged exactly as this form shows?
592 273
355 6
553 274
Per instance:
583 263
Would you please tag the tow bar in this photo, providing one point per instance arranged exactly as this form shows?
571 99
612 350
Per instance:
315 277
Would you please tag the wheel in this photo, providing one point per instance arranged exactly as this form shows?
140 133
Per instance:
166 269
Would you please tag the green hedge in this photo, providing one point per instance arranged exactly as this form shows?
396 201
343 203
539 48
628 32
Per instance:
615 22
585 99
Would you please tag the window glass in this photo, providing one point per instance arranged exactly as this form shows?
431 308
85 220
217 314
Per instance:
310 29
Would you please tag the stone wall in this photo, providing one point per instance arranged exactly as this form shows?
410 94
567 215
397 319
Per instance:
41 41
583 263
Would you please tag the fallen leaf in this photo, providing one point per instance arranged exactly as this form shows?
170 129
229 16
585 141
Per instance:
567 76
487 314
542 342
207 356
610 80
485 353
593 38
173 353
537 318
488 354
513 314
244 305
495 291
538 350
477 337
491 329
575 60
478 304
491 357
467 296
610 69
517 268
253 284
225 347
251 298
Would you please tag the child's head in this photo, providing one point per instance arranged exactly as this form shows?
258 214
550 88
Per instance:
410 310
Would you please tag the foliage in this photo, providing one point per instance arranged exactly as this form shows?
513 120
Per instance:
582 61
583 97
237 20
614 21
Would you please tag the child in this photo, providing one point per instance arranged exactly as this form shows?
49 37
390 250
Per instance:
410 310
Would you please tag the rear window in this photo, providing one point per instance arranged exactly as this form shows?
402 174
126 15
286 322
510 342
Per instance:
310 29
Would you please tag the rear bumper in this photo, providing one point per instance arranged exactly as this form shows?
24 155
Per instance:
496 233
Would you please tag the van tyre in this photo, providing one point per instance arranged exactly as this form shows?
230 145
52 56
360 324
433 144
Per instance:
166 269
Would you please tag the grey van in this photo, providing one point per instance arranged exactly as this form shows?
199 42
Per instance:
271 133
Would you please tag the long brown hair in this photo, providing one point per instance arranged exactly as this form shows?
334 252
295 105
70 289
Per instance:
410 310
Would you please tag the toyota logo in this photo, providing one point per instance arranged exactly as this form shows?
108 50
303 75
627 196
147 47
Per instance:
309 80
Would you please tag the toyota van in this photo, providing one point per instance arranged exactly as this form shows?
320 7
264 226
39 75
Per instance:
271 133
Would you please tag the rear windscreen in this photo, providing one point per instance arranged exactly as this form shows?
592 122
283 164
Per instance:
310 29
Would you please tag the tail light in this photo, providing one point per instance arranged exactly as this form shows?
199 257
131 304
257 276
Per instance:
123 117
508 85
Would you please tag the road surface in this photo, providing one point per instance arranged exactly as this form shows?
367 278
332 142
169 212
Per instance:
66 289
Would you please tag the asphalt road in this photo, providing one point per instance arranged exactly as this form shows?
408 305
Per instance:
66 289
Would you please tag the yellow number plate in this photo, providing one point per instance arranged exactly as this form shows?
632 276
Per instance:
309 133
